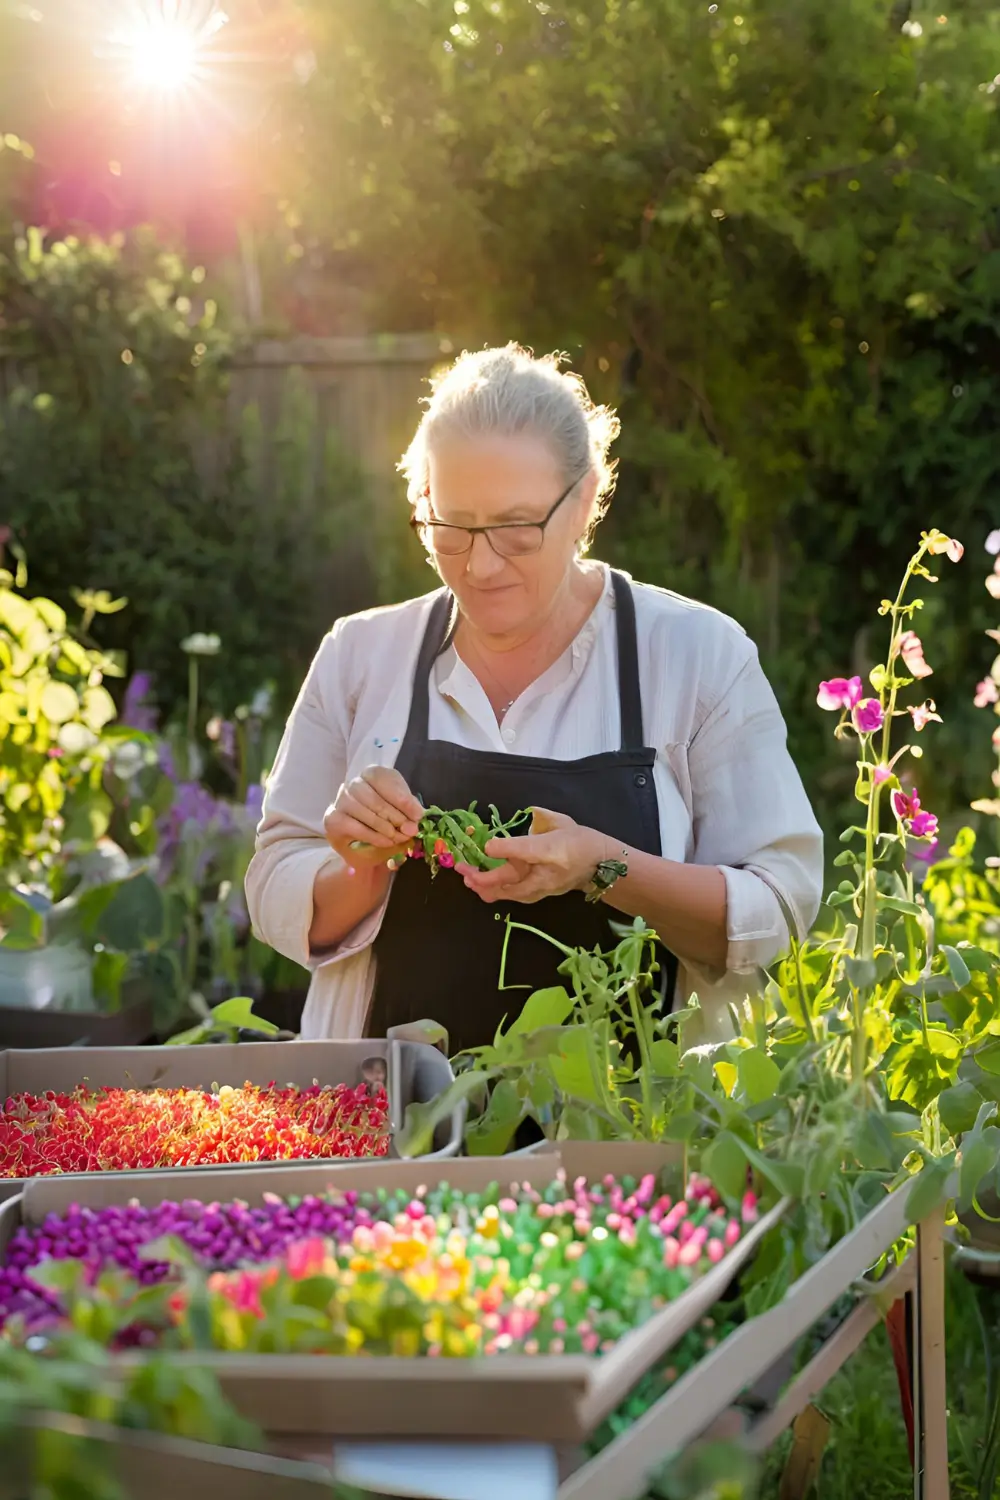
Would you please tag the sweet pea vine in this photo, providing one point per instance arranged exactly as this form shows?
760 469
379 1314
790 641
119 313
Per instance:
115 1129
866 1060
570 1268
445 839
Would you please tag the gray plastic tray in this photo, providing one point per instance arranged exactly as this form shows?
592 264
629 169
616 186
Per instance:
415 1073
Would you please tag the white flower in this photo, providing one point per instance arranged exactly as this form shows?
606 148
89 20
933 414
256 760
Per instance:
201 645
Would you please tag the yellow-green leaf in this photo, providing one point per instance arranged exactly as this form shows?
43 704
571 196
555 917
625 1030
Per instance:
59 702
98 707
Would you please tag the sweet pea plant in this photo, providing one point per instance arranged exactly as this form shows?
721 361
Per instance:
963 890
446 839
870 1056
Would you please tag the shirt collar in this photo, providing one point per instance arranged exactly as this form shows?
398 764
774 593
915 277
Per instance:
453 678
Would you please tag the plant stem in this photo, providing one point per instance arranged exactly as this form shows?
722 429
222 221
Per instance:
192 715
800 980
646 1061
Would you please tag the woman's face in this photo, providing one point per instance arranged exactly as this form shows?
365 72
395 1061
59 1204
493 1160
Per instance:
493 481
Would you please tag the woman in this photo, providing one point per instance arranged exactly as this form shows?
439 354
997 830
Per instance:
636 724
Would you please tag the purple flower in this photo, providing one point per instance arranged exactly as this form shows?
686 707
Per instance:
136 712
839 692
166 759
868 715
255 801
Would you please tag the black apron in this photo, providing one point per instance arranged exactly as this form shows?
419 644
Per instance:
439 947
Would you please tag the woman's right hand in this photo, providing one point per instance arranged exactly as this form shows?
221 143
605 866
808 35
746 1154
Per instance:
376 809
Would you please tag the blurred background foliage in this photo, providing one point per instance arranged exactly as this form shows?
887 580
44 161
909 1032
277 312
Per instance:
766 229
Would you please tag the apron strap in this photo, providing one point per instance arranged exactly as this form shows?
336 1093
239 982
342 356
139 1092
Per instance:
436 632
440 627
629 693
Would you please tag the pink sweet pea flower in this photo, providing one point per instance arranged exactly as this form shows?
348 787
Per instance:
912 652
924 714
868 716
986 692
921 824
839 692
305 1258
905 804
927 855
938 543
880 774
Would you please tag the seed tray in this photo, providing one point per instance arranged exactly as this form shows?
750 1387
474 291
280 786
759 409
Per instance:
415 1073
554 1398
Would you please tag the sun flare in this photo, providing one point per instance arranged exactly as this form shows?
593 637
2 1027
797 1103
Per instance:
167 52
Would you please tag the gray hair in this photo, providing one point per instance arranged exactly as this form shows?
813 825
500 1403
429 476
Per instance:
508 391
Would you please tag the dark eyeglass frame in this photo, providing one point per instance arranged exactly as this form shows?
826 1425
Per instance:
420 526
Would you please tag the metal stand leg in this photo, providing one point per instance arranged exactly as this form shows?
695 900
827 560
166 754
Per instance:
930 1396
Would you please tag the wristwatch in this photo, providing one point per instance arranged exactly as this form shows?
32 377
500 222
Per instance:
604 877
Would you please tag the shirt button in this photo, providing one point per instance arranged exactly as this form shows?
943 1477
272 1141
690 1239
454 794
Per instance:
508 736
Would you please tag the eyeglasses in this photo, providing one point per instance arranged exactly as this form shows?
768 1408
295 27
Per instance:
508 539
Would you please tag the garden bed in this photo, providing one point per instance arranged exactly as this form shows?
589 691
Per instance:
413 1072
551 1397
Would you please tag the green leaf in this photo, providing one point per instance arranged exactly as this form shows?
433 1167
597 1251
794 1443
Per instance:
548 1007
664 1055
135 918
988 1057
573 1067
22 926
239 1013
416 1135
861 972
787 1177
757 1075
957 967
492 1133
896 903
958 1107
108 974
977 1160
929 1188
725 1163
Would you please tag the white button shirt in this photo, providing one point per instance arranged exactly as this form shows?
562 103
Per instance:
728 792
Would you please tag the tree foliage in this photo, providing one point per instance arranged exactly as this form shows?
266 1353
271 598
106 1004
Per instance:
767 229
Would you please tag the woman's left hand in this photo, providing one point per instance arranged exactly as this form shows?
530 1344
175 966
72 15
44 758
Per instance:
557 856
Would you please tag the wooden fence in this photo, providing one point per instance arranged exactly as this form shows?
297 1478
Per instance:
366 390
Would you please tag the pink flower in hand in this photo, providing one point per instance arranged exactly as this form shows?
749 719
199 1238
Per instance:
923 714
839 692
986 692
868 716
912 652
